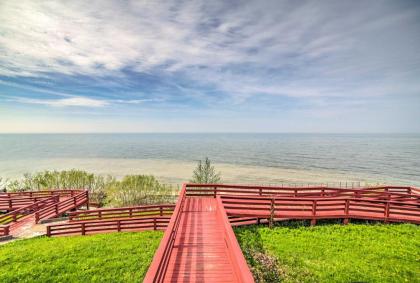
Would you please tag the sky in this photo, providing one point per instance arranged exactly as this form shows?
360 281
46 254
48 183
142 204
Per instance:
210 66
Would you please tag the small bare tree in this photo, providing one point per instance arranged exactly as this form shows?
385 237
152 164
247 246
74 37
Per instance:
205 173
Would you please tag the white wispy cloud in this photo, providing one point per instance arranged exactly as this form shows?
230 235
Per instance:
64 102
244 48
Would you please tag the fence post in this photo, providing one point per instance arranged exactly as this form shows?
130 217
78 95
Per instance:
386 213
160 211
10 204
48 231
56 209
36 217
83 229
346 212
271 220
260 191
215 192
154 223
119 225
313 220
100 214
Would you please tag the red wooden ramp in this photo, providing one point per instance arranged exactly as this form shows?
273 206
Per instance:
199 246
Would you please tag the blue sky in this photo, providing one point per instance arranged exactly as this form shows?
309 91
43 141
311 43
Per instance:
209 66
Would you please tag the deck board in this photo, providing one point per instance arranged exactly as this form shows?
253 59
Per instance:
200 253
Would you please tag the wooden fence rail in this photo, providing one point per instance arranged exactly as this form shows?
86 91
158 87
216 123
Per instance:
159 265
44 193
202 190
104 226
322 208
123 212
57 209
13 215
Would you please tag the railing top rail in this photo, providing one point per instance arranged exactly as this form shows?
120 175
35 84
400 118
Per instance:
160 260
241 268
24 208
41 192
48 208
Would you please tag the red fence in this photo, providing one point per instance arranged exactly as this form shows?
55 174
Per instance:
203 190
104 226
321 208
160 261
12 216
123 212
16 203
57 209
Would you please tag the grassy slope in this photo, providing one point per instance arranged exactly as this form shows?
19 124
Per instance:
337 253
117 257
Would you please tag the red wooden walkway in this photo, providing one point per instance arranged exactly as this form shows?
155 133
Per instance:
199 246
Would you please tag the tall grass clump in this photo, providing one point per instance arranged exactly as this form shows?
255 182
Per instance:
139 189
104 190
61 180
205 173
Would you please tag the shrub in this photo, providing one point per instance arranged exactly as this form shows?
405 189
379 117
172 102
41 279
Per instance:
205 173
138 190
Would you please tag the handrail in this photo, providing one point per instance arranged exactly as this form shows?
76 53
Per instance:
31 207
322 191
321 208
62 206
236 257
41 193
160 261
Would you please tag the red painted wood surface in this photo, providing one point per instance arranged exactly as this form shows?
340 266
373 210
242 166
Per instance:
199 246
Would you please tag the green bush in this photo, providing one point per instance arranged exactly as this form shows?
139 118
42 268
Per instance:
205 173
139 189
105 190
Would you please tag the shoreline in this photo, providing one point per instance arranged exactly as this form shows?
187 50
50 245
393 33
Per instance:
175 172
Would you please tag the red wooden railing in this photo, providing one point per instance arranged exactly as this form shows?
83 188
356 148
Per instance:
122 212
321 208
12 216
203 190
9 220
237 259
160 261
54 210
104 226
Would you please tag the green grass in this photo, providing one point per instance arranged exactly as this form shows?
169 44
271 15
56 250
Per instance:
333 253
116 257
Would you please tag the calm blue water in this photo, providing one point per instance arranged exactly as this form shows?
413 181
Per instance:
393 157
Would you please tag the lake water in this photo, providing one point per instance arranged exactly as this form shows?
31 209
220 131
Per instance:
241 158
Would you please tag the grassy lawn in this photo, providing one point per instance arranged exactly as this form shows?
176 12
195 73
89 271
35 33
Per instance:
116 257
333 253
